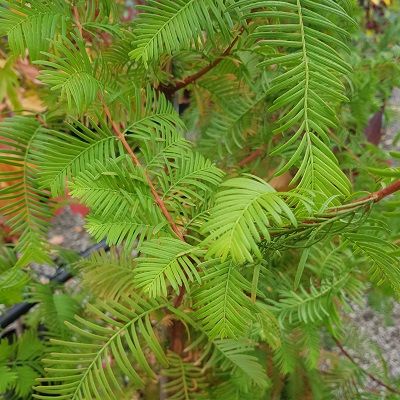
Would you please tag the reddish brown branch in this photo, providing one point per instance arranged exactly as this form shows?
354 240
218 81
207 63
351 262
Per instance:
77 20
372 377
136 161
169 90
375 196
387 191
176 331
179 298
252 156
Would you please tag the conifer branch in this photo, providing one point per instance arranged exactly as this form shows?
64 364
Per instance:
129 150
200 226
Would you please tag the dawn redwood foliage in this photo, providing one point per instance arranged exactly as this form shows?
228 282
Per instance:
220 148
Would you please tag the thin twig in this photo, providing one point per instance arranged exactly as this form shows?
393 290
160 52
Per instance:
77 20
169 90
252 156
372 377
177 328
374 197
136 161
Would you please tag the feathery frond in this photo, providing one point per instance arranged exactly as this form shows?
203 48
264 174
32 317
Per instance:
189 182
108 275
310 86
161 146
71 73
63 155
269 325
166 26
20 364
26 207
310 339
32 25
159 135
221 304
10 83
185 380
229 130
327 259
119 340
152 114
12 285
166 261
122 201
232 389
314 303
54 309
244 210
8 378
286 356
12 279
98 12
236 358
346 381
112 188
123 230
384 264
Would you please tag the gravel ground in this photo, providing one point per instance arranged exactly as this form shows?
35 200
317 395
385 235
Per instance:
66 231
372 333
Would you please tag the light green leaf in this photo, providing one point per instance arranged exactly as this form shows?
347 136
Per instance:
245 209
166 261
